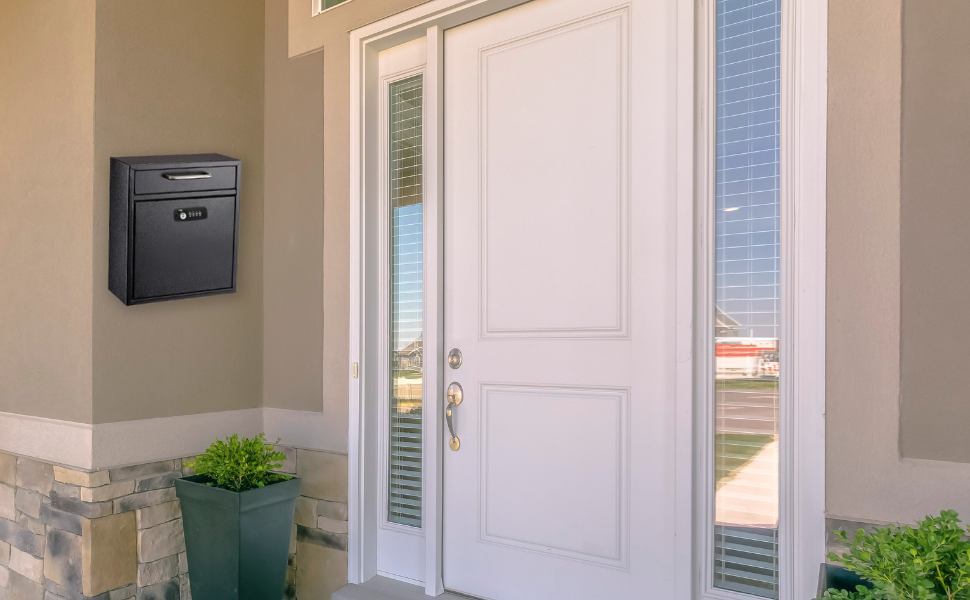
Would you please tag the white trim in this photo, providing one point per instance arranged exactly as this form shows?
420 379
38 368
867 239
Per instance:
802 430
807 96
704 363
434 313
51 440
305 429
109 445
150 440
686 286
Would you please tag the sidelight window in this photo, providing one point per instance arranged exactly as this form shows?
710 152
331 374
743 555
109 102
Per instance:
747 297
407 302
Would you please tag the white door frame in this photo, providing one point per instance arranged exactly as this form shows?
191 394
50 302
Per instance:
803 121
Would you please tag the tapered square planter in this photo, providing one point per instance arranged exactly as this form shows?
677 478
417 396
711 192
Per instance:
237 543
837 577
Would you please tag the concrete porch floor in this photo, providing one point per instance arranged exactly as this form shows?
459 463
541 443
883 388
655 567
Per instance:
384 588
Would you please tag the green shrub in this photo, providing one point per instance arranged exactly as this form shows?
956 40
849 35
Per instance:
931 562
240 465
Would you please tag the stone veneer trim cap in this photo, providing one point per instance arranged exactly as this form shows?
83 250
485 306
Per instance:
107 492
81 478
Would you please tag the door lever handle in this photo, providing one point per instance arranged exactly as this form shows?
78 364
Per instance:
454 399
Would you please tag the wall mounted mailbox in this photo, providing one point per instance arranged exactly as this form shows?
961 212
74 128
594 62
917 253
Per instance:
174 227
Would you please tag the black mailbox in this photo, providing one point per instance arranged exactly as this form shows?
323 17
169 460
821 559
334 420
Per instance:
174 227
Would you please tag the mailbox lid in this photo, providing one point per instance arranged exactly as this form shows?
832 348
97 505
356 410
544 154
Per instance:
183 246
185 179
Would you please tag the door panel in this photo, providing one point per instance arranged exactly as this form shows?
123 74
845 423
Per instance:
529 433
559 291
572 188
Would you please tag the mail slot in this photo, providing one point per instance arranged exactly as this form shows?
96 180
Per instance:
174 227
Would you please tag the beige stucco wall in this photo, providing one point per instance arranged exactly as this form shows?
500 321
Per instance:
177 77
935 230
293 223
294 187
866 476
46 214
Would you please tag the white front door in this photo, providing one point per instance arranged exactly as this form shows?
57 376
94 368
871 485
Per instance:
560 124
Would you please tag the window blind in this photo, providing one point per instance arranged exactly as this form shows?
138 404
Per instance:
407 302
745 556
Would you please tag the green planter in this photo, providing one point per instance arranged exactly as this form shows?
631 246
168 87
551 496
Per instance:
836 577
237 544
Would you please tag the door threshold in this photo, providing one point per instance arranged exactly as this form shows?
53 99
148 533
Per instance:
385 588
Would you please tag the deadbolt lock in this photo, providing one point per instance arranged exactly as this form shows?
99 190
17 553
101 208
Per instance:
454 358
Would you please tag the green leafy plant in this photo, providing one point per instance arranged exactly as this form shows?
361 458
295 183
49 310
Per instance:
240 464
930 562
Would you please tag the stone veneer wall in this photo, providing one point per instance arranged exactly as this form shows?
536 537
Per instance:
117 534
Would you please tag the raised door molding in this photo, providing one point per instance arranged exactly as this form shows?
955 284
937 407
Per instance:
577 286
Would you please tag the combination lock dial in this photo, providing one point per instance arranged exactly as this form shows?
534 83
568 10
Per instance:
191 214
